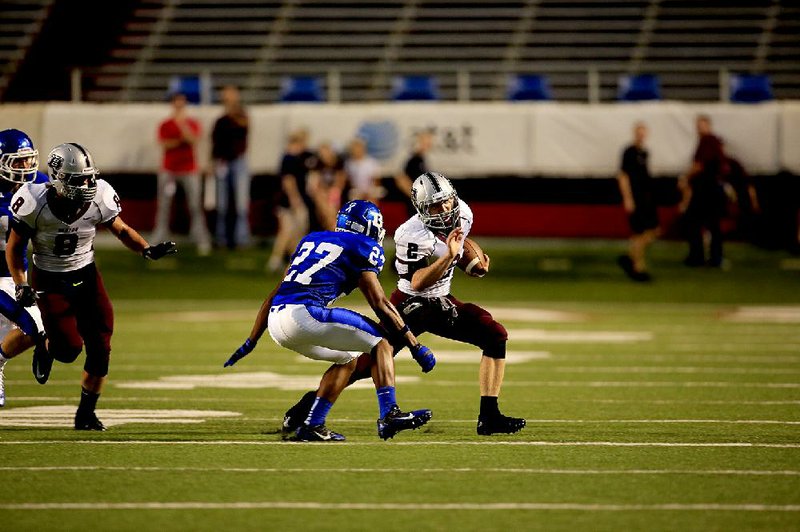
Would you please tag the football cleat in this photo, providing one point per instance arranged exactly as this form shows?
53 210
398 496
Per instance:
2 387
42 362
317 433
396 420
499 424
88 421
289 426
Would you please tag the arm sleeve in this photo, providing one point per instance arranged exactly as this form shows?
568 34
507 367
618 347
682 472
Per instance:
108 202
371 257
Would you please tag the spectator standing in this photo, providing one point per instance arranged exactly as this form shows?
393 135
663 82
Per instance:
363 173
295 203
636 189
229 147
178 136
704 200
416 165
326 183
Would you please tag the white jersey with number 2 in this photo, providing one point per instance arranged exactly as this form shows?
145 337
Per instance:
59 246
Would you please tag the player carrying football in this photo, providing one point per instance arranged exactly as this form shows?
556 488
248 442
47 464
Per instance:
326 265
60 219
429 245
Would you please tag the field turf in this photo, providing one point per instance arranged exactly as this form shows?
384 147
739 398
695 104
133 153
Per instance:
666 406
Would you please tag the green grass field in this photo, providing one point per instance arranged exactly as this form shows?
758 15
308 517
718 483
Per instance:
670 406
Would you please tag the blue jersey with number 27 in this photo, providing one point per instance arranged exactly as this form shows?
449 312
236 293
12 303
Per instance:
327 265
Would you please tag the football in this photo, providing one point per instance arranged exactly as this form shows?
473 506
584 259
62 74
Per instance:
473 260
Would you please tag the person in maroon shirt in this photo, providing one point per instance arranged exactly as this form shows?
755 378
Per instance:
178 136
704 201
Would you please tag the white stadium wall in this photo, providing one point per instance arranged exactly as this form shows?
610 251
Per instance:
552 139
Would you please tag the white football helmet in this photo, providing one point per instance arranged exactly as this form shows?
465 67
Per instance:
429 193
72 172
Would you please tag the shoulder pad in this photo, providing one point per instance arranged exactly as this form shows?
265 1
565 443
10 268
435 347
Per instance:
107 200
27 199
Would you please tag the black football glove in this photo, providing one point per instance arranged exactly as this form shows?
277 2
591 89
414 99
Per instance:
240 353
160 250
26 296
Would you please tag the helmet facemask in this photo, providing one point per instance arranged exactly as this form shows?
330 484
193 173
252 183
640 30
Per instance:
19 167
77 187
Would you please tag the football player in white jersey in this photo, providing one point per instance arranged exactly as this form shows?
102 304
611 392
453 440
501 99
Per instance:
428 246
60 219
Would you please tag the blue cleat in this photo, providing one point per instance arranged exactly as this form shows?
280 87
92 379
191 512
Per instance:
317 433
396 420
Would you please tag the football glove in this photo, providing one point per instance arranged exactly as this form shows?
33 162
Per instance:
26 296
160 250
424 357
240 353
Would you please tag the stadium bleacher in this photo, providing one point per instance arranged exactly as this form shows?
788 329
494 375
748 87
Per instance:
470 46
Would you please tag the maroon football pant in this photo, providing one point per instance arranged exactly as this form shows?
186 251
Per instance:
450 318
75 311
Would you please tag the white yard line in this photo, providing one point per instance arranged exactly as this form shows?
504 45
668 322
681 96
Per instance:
375 506
676 369
417 443
628 384
526 471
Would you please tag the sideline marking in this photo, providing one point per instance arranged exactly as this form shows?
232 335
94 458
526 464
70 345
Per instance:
61 416
260 379
742 472
419 443
289 505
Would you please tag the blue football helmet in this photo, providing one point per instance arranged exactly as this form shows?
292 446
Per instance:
19 161
362 217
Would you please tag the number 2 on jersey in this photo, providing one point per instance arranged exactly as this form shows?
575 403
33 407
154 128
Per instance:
331 251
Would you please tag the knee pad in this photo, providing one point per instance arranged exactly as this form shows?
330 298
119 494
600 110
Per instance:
97 363
494 345
66 354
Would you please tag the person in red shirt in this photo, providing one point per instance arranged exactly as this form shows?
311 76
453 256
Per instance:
704 201
178 136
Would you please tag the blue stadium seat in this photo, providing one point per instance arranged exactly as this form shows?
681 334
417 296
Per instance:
301 89
415 88
750 88
638 87
528 87
190 86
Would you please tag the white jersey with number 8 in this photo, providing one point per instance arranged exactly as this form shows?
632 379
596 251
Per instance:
59 246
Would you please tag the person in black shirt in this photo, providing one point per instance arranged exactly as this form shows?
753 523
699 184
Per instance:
636 188
229 146
294 203
416 165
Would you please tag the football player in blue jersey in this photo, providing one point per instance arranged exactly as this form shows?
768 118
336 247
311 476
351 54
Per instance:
20 328
327 265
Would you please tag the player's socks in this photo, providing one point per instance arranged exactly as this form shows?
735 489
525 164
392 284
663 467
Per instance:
88 401
386 399
318 412
489 406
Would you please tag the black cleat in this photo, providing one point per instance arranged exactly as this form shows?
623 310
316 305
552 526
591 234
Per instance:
499 424
88 421
317 433
289 426
42 362
294 418
396 420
